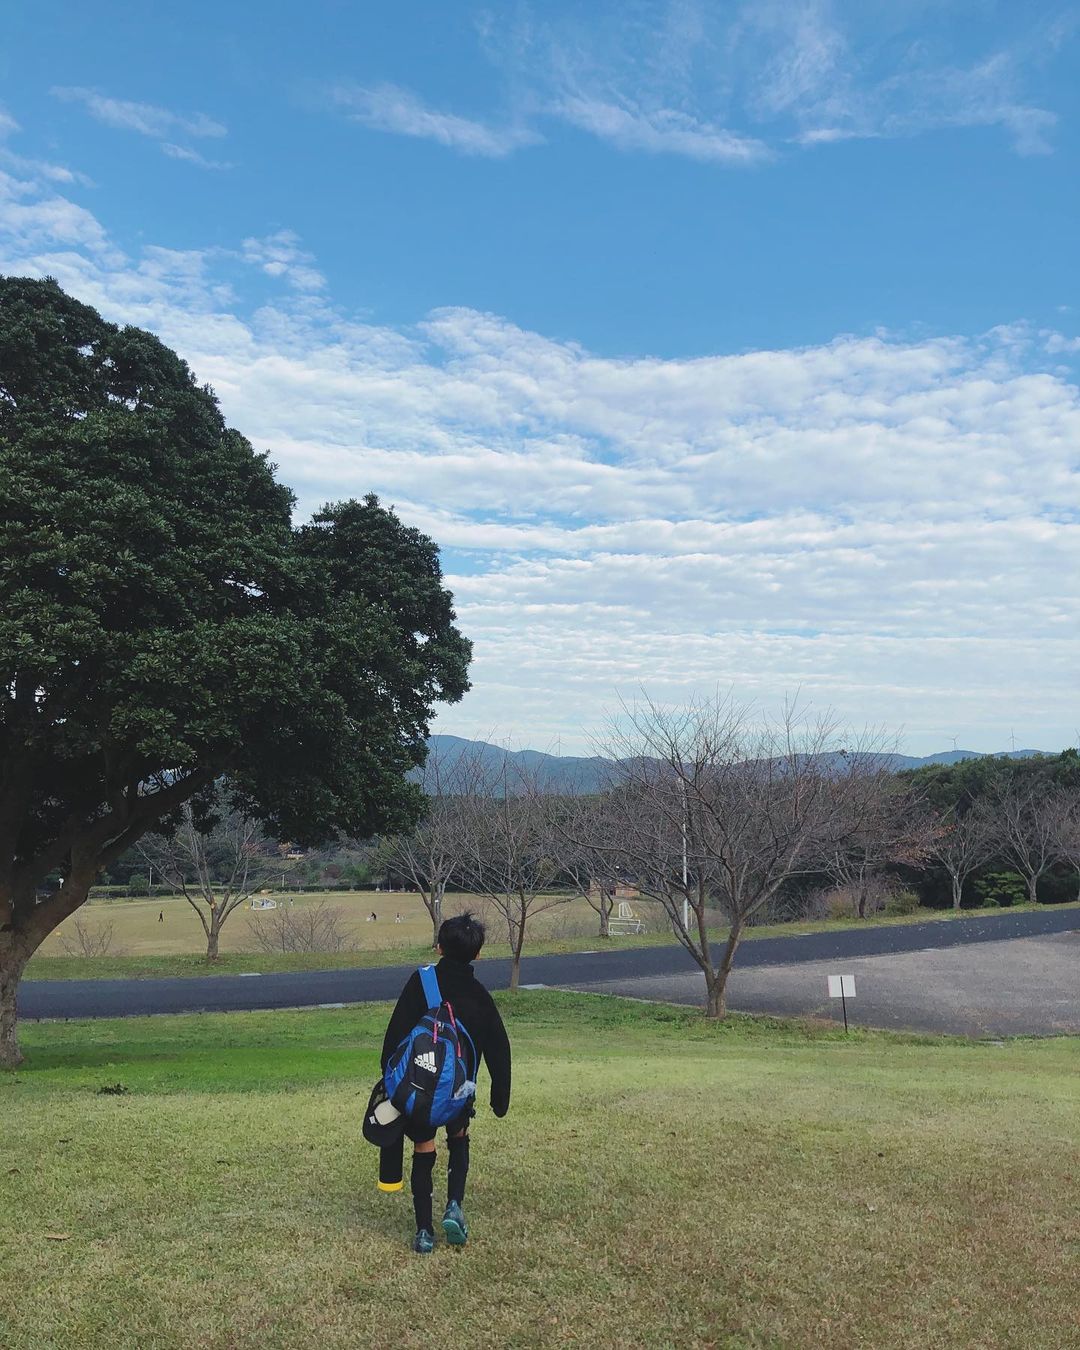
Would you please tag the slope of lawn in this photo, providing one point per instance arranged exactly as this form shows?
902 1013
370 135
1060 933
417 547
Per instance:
659 1181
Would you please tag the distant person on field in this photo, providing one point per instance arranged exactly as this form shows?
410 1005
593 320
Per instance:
460 941
161 917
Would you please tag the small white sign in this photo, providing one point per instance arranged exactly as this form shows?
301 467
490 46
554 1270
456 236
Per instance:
841 986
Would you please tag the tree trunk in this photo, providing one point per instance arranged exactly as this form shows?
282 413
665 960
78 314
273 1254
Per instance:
605 917
212 939
716 983
18 945
957 892
1033 889
12 965
518 947
436 915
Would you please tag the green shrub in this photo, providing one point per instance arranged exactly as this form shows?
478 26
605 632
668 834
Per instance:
1001 889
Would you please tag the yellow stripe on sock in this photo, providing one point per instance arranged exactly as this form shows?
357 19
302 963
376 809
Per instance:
391 1185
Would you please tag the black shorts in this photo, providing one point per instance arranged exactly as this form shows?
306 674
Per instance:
455 1126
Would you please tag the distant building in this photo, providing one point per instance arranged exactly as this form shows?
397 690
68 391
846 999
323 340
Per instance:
621 890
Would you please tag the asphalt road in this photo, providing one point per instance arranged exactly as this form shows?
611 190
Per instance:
612 969
1026 986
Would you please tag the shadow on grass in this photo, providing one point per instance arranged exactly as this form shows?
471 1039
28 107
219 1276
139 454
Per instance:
226 1053
142 1070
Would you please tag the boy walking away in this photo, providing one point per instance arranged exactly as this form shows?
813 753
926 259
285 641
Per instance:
481 1034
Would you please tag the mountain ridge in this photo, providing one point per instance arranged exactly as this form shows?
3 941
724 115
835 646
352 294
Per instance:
585 772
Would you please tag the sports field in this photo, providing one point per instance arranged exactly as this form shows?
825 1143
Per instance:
169 926
659 1181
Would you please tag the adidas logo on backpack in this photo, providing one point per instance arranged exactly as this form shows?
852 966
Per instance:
425 1060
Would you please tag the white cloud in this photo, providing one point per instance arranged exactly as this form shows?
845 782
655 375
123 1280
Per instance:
1057 343
190 156
34 168
893 83
727 85
661 131
724 83
280 255
803 57
830 135
388 107
984 94
893 526
32 220
148 119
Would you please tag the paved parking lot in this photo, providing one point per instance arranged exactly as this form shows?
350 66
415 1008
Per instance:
1024 987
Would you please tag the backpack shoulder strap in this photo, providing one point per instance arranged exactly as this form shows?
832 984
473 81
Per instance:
430 981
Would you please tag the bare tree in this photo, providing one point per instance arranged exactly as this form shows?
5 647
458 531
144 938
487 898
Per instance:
961 843
215 871
709 807
574 823
431 853
307 928
1027 814
83 938
507 857
883 826
1067 831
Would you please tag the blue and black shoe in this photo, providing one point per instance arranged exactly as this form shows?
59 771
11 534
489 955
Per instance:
423 1244
454 1225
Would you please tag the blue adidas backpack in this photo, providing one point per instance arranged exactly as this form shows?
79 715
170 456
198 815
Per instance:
430 1077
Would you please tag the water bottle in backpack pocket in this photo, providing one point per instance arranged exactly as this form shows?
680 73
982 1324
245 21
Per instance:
430 1077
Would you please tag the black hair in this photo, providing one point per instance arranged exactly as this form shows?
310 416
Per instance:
461 937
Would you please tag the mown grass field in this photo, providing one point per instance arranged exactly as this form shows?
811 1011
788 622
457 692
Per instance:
659 1182
137 932
401 922
143 948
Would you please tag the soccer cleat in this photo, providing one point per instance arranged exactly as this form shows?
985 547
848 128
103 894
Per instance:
454 1226
423 1244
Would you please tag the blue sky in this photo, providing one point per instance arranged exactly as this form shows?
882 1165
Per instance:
718 344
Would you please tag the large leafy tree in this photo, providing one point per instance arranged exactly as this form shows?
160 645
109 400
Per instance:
163 624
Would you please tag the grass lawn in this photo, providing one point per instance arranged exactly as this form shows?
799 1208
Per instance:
400 932
146 949
659 1182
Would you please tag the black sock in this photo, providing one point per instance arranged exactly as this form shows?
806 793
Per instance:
422 1165
458 1169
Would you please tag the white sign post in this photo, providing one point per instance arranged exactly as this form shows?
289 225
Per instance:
843 988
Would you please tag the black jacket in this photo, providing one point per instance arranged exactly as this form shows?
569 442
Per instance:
474 1007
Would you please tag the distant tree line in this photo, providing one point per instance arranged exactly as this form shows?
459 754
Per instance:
1004 830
